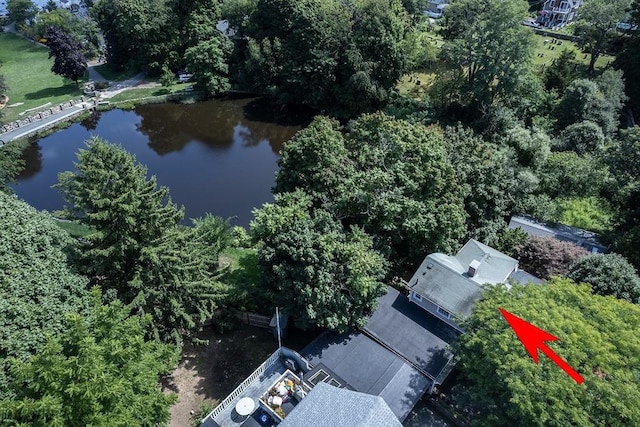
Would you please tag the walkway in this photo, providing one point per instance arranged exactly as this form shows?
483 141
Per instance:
44 123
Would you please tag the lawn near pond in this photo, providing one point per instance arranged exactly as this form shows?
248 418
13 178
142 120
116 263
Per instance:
27 72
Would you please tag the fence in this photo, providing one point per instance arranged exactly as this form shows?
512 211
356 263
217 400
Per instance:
243 386
253 319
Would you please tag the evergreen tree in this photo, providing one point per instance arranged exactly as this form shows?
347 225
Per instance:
138 249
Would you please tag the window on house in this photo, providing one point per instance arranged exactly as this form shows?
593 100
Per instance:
417 297
444 313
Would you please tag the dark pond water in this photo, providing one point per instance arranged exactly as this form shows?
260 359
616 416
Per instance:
217 156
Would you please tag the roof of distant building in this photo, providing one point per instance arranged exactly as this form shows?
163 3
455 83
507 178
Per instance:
329 406
586 239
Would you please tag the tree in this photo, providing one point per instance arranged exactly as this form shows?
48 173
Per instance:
608 274
100 371
562 72
568 174
628 60
488 175
145 34
69 62
589 213
599 101
485 41
392 178
11 164
532 146
597 336
325 275
37 286
51 6
341 57
546 256
208 62
22 10
583 137
138 249
597 25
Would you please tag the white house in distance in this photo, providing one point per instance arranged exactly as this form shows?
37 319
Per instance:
558 13
448 286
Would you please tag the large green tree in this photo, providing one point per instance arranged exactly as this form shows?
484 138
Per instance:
325 275
599 101
208 62
390 177
597 25
486 43
597 337
37 287
100 372
138 248
608 274
343 57
21 11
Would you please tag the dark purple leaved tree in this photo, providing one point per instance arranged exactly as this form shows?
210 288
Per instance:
69 62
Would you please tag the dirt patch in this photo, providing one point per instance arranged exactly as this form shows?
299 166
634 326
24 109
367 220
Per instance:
208 373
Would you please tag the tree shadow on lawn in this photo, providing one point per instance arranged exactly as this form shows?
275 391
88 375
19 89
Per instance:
52 92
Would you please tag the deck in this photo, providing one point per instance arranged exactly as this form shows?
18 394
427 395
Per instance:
254 387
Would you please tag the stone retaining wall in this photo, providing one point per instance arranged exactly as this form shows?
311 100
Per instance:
46 113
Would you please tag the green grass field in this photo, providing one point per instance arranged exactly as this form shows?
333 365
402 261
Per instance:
115 76
133 94
544 54
27 72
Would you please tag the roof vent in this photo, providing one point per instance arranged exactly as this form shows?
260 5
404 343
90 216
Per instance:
473 268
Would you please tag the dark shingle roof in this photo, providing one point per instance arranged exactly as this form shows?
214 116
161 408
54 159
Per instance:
328 406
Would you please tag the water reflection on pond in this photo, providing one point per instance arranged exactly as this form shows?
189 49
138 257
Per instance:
217 156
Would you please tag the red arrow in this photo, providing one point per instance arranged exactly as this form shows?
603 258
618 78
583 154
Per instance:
533 338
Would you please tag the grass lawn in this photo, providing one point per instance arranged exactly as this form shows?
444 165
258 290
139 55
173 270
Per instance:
27 72
75 229
132 94
548 54
543 56
108 73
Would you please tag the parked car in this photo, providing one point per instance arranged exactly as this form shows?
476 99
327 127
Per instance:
184 77
530 23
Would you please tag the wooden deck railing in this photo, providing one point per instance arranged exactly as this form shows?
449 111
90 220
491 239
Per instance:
243 386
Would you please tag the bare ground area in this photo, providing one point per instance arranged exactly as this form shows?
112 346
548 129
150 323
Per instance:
208 373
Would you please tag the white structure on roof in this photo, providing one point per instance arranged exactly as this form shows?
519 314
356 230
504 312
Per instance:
448 286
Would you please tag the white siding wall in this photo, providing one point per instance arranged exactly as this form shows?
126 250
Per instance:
432 308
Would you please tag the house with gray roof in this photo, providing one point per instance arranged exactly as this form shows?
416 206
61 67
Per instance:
448 286
329 406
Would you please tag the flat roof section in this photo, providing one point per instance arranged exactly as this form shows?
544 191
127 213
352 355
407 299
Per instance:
413 332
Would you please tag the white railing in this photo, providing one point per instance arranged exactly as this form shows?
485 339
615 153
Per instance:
243 386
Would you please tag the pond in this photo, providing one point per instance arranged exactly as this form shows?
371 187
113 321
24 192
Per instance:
217 156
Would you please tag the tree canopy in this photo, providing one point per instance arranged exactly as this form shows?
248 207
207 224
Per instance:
99 372
38 288
68 60
138 248
597 337
608 274
325 275
342 57
546 256
392 178
492 51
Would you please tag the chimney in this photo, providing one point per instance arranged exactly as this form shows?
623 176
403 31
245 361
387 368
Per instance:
473 268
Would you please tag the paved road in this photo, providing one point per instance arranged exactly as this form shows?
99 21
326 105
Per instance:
41 124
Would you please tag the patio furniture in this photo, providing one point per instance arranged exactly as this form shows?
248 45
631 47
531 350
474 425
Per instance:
245 406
